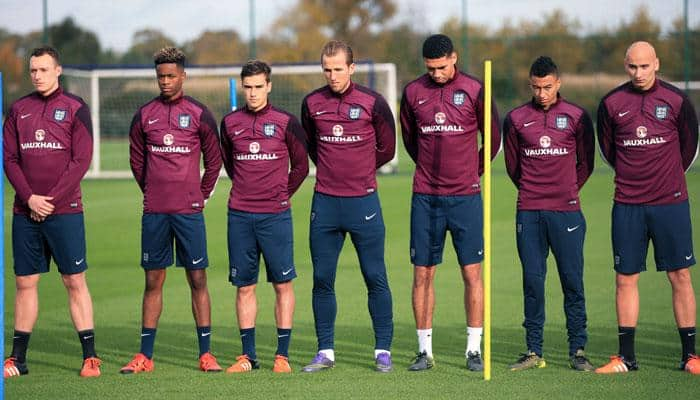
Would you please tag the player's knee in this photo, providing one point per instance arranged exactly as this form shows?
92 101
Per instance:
245 292
323 286
323 279
198 283
155 279
626 281
680 278
376 281
533 280
472 279
471 273
423 276
572 281
283 288
422 282
28 282
74 281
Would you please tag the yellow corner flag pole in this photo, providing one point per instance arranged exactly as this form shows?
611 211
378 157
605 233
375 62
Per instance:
487 220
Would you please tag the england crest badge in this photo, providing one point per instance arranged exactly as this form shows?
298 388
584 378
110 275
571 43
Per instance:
562 122
354 112
59 115
661 112
459 97
269 130
184 120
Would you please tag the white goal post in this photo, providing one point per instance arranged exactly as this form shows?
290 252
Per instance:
114 95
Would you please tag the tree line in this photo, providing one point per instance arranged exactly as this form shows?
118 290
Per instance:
591 61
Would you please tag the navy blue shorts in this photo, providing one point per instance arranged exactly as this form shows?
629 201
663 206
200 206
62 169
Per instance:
158 232
61 237
668 227
252 234
431 218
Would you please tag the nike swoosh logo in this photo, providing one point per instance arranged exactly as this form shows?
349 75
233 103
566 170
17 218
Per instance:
238 132
244 335
369 217
480 252
206 334
197 261
79 261
152 121
692 334
321 112
23 116
689 257
572 229
145 334
622 114
421 101
287 271
528 124
281 336
88 337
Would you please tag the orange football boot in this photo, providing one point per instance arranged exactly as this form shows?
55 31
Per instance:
692 365
91 367
616 365
207 363
243 364
140 363
281 364
12 368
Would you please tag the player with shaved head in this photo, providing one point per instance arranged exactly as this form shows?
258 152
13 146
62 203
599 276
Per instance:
648 133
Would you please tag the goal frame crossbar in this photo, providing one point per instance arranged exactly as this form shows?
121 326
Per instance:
94 76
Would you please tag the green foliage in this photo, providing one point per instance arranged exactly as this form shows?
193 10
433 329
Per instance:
589 58
145 43
75 44
216 47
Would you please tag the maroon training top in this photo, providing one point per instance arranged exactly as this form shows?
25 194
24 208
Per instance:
440 124
349 135
48 149
549 154
650 138
166 141
258 148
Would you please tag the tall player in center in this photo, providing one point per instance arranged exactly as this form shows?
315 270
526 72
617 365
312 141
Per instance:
351 133
442 113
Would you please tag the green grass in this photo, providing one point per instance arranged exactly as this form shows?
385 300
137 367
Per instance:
113 210
114 154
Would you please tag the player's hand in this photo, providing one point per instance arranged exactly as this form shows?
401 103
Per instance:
36 217
40 205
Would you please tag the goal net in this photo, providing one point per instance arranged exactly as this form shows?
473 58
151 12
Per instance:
115 94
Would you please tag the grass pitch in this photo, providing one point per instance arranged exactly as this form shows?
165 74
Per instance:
113 210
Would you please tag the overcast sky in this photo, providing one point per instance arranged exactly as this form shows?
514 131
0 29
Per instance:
114 22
